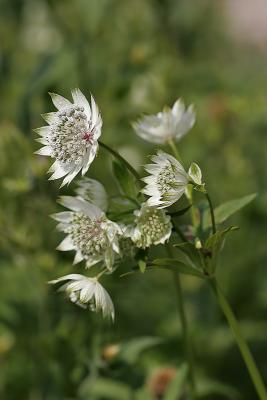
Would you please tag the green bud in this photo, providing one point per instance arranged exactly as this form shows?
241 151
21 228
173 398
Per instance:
195 174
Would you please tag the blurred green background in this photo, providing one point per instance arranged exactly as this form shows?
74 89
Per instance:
135 57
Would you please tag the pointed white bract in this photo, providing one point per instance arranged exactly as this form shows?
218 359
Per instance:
152 226
167 180
94 192
87 292
71 136
94 237
170 124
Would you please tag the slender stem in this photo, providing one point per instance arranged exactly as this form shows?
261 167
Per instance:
243 347
119 157
185 332
174 149
211 212
186 335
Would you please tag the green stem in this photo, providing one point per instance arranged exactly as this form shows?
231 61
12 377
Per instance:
119 157
243 347
211 212
174 149
185 332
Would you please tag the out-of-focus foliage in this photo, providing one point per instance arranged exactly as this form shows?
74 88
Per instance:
134 56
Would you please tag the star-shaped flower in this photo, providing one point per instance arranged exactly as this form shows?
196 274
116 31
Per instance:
170 124
71 135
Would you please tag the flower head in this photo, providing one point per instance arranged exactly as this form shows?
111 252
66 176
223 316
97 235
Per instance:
94 192
167 180
71 135
87 292
152 226
89 232
171 123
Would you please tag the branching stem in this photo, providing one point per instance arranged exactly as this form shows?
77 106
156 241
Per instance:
243 347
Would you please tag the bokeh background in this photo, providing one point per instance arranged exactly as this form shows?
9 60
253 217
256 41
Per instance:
135 57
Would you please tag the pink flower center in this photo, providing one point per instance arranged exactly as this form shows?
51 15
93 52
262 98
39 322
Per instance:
88 137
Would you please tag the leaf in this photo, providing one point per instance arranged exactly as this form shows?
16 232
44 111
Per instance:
213 246
176 387
208 388
177 264
181 212
105 388
192 252
227 209
131 350
125 180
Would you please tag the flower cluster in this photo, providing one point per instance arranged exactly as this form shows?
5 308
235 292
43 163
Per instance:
98 236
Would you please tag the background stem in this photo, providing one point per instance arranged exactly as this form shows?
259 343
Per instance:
185 333
243 347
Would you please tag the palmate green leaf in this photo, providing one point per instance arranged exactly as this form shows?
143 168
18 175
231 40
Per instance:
225 210
213 246
178 264
177 385
125 180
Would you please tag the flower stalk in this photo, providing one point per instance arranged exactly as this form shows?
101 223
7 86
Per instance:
212 215
185 332
120 158
175 149
243 347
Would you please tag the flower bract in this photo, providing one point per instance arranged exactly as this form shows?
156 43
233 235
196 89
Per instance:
94 192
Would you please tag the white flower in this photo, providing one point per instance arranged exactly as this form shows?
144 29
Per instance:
152 226
85 291
71 136
167 180
94 192
171 123
89 232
